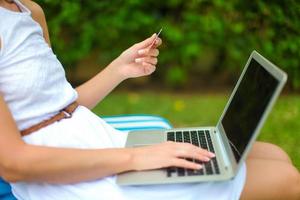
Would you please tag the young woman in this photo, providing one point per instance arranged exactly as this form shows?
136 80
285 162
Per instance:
51 148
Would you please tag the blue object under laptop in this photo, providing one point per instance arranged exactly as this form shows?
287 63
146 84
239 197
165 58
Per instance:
5 191
120 122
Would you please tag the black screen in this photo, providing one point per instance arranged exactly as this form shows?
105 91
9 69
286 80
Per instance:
247 106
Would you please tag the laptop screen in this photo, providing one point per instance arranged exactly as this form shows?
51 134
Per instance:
247 106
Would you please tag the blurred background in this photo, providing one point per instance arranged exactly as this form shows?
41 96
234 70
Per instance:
206 43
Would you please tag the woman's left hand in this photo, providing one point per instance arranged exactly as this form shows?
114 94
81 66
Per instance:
138 60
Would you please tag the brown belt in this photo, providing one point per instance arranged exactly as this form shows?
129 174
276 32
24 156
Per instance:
63 114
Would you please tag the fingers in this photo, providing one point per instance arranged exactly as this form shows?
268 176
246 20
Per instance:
148 52
157 43
150 60
186 164
153 51
169 154
150 43
148 68
147 42
186 150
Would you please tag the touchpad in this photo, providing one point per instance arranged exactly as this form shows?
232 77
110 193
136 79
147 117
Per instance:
145 138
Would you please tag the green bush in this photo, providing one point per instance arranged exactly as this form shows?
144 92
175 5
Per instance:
201 37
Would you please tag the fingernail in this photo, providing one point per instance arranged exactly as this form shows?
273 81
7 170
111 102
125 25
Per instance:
211 154
138 60
206 159
142 51
199 166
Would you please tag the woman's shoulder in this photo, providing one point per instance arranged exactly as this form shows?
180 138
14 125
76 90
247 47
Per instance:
38 15
36 10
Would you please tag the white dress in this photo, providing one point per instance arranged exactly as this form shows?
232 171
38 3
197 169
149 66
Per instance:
45 96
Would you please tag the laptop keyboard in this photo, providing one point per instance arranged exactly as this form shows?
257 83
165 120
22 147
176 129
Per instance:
200 138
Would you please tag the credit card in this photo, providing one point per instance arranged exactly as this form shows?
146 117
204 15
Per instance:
151 45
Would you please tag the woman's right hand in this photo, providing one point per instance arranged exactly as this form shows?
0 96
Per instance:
169 154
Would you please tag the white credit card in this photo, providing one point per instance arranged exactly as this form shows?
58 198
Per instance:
155 39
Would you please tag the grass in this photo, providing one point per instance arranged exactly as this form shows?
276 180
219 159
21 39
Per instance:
282 126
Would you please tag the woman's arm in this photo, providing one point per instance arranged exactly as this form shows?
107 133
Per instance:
23 162
136 61
20 161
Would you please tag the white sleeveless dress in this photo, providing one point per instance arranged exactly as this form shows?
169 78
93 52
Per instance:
33 84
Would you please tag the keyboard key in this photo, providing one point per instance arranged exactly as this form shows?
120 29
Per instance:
186 137
195 140
211 148
170 171
202 139
191 172
178 136
208 168
171 136
216 166
180 171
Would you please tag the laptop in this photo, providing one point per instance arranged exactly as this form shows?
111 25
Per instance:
231 139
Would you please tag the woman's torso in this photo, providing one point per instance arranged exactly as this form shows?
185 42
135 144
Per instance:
32 80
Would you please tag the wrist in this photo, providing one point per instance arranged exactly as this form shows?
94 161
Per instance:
132 164
114 69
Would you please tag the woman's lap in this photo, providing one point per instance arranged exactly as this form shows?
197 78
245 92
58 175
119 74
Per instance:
91 134
107 189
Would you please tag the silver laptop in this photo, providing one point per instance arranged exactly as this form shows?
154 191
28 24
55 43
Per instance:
231 139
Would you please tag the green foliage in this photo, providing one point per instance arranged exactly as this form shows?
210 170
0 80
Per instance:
227 31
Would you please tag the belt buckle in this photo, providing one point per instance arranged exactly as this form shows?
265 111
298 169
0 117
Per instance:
67 115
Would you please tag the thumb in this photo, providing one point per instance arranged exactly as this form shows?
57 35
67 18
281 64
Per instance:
147 42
